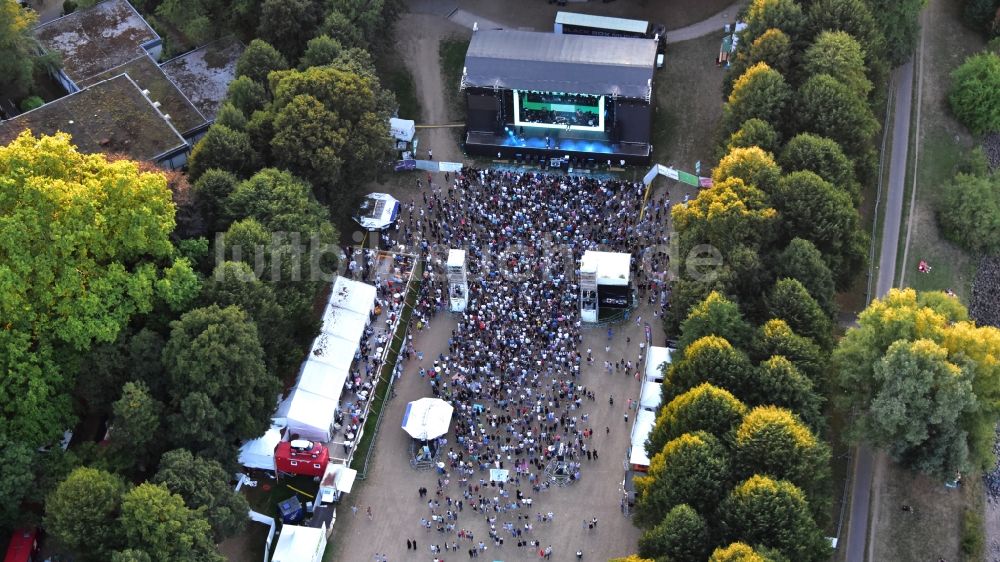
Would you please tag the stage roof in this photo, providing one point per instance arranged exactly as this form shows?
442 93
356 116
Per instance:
580 64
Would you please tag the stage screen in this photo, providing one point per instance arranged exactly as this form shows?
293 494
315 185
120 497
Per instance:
549 110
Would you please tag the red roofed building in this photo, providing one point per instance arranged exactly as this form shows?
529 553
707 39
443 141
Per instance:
303 457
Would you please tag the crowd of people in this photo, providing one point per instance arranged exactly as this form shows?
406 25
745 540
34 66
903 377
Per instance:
512 370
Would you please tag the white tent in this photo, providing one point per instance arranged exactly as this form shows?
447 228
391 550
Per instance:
352 295
337 479
311 415
300 544
402 129
333 351
644 422
655 358
650 398
612 268
321 379
378 211
344 324
427 418
259 453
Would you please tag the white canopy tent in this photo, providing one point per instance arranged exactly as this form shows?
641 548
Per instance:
427 418
333 351
259 453
402 129
311 415
650 397
378 211
612 268
321 379
344 324
655 358
337 479
300 544
352 295
644 422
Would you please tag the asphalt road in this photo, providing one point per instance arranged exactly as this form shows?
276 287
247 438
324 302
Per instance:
857 529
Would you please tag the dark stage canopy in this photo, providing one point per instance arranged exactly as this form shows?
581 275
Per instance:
579 64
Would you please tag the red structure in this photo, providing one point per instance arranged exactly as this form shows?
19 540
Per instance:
303 457
23 544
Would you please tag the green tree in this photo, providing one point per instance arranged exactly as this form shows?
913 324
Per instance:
981 15
916 414
220 391
830 108
204 485
18 49
191 17
825 158
730 214
774 514
973 96
738 552
898 21
158 523
761 92
715 316
258 60
130 555
752 165
754 132
782 384
772 441
802 261
811 208
774 48
840 55
703 408
713 360
791 302
320 50
224 149
289 40
682 535
762 15
692 469
80 513
231 116
245 93
969 212
853 17
775 337
179 286
136 421
17 479
210 192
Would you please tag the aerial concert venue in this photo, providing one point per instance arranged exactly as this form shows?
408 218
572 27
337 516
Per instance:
560 99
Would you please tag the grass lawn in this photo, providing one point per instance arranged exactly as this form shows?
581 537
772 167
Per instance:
452 56
396 77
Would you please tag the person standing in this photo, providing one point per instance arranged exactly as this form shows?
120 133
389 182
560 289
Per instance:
371 515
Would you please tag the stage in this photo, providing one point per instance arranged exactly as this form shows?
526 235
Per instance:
533 144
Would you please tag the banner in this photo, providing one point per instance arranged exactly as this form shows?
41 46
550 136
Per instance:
498 475
705 182
687 178
450 166
402 165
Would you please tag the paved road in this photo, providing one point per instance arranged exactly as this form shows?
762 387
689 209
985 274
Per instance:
714 24
857 528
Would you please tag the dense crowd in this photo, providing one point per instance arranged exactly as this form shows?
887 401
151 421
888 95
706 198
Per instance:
512 370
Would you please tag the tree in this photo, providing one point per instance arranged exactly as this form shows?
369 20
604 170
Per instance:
204 485
738 552
320 50
774 48
309 139
981 15
802 261
782 384
830 108
715 316
754 132
211 191
79 246
682 535
813 209
18 50
862 372
761 92
224 149
17 479
685 293
179 286
703 408
158 523
825 158
969 212
191 17
80 513
258 60
136 420
772 441
840 55
231 116
220 391
791 302
773 513
973 89
916 414
730 214
130 555
752 165
898 21
289 40
713 360
245 93
692 469
775 337
762 15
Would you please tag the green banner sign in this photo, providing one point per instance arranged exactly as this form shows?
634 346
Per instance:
687 178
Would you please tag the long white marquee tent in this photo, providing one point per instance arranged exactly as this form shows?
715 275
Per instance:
655 358
644 422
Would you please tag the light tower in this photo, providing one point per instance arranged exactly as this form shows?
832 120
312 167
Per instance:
458 286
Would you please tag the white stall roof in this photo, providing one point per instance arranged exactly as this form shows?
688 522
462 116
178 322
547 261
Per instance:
334 351
644 422
612 268
655 358
300 544
259 453
402 129
336 478
310 415
456 258
321 379
650 398
344 324
352 295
